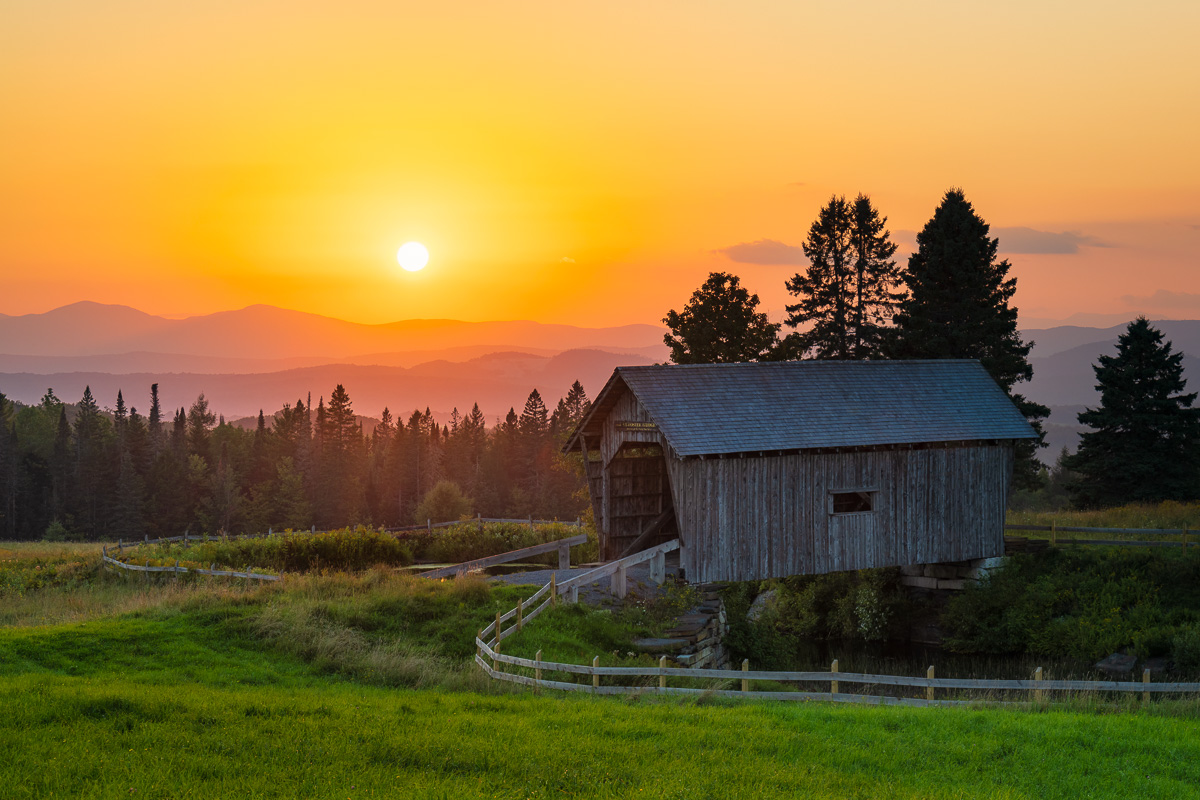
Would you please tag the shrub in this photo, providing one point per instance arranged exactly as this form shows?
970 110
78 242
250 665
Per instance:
1081 603
344 549
1185 650
445 502
58 532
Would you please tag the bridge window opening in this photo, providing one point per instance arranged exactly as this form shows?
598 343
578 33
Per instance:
858 501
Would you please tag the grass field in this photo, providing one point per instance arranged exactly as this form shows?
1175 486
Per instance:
359 686
1168 514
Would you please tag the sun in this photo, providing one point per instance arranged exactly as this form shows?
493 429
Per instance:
412 256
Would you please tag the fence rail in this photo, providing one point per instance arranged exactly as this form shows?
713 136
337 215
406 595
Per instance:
563 546
1054 530
530 521
178 570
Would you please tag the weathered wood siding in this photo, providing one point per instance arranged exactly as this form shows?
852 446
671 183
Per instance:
769 516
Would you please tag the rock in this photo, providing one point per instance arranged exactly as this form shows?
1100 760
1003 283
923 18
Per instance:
952 585
919 582
766 600
1157 666
1117 664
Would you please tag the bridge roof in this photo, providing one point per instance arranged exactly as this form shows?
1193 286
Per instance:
711 409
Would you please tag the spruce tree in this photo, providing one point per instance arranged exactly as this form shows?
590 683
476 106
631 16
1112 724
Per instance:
825 288
720 323
958 306
154 423
1144 442
849 292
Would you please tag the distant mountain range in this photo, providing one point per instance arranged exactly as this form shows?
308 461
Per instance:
267 333
262 357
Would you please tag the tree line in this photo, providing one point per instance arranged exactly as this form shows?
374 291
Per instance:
77 471
951 300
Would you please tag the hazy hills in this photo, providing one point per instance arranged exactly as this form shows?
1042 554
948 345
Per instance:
1063 378
262 357
266 332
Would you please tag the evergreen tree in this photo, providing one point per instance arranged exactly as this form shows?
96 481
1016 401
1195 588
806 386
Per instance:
8 470
61 471
849 292
720 323
92 469
199 424
958 306
569 412
154 421
1144 442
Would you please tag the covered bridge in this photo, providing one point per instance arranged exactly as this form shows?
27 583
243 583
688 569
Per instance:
801 467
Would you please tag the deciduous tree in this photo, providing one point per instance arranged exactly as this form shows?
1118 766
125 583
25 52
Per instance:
720 323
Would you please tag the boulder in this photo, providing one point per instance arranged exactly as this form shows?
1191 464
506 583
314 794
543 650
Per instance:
766 600
1117 664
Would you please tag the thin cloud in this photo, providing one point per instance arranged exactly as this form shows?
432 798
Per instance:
767 252
567 260
1031 241
1165 298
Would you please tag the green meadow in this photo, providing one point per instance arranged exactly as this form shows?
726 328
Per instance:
339 685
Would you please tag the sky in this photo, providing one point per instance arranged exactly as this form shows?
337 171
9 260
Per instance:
584 163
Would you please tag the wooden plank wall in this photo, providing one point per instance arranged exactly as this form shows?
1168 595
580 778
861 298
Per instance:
759 517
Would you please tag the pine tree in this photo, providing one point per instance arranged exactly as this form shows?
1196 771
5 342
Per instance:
92 470
154 422
199 424
1144 443
849 292
8 470
826 288
720 323
958 306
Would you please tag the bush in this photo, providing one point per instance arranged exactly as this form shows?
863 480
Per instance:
445 502
343 549
1082 604
1185 651
58 532
869 605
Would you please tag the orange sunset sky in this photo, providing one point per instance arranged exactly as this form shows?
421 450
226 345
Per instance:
582 162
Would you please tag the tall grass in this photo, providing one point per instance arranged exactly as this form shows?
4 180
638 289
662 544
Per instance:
1168 514
344 549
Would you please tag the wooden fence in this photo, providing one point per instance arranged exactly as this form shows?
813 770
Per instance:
178 570
1054 531
563 546
655 679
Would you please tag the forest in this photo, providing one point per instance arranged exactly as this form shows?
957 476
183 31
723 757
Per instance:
75 471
